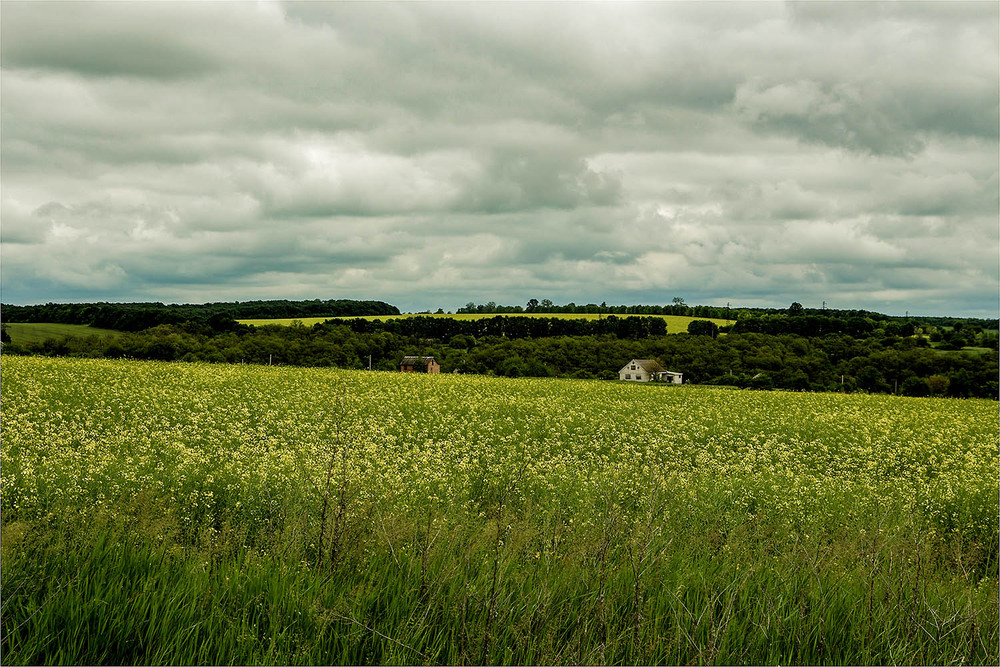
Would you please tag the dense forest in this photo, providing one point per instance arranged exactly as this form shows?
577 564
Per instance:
633 327
875 358
139 316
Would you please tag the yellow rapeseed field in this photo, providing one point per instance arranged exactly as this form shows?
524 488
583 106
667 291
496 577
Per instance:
214 438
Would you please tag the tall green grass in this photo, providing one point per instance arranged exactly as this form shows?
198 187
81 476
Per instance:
451 590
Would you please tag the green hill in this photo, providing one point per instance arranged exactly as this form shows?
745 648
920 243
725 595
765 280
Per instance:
22 333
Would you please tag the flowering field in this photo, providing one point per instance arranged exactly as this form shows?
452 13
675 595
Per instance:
193 513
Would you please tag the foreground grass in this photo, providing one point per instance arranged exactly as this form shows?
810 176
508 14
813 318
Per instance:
444 598
23 333
196 514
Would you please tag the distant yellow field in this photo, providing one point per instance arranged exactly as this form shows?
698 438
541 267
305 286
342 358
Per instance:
675 323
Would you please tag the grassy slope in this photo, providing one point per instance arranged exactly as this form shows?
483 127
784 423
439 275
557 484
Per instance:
973 350
675 323
22 333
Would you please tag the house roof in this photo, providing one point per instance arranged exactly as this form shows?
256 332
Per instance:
414 360
648 365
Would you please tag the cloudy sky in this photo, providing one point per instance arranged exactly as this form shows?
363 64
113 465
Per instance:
430 154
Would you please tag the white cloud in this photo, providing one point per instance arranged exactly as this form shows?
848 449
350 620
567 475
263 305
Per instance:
431 154
841 242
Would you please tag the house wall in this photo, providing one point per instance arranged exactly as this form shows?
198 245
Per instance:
637 375
432 367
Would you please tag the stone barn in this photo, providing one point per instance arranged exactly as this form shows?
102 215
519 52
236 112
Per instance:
419 365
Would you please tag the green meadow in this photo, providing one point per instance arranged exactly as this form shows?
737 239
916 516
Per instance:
22 333
167 513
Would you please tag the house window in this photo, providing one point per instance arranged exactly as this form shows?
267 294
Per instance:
628 376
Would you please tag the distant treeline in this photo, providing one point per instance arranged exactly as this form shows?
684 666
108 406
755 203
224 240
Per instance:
637 327
761 320
678 307
139 316
952 335
631 327
547 306
878 363
820 325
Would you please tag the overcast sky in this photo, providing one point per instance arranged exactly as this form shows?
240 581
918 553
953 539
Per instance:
430 154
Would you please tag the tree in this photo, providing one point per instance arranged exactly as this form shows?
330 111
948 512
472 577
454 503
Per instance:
461 342
871 380
703 328
798 381
221 322
512 367
761 381
859 327
678 301
938 384
532 306
913 386
961 384
795 309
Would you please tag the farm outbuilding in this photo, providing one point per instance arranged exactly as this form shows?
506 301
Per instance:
671 377
415 364
648 370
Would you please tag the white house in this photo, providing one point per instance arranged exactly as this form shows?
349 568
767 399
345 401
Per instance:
671 377
648 370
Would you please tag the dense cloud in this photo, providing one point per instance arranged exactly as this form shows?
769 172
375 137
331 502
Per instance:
430 154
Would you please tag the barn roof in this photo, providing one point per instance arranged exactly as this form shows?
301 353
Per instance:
415 360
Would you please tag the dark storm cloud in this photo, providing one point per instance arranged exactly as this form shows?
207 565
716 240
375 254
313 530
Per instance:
433 153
